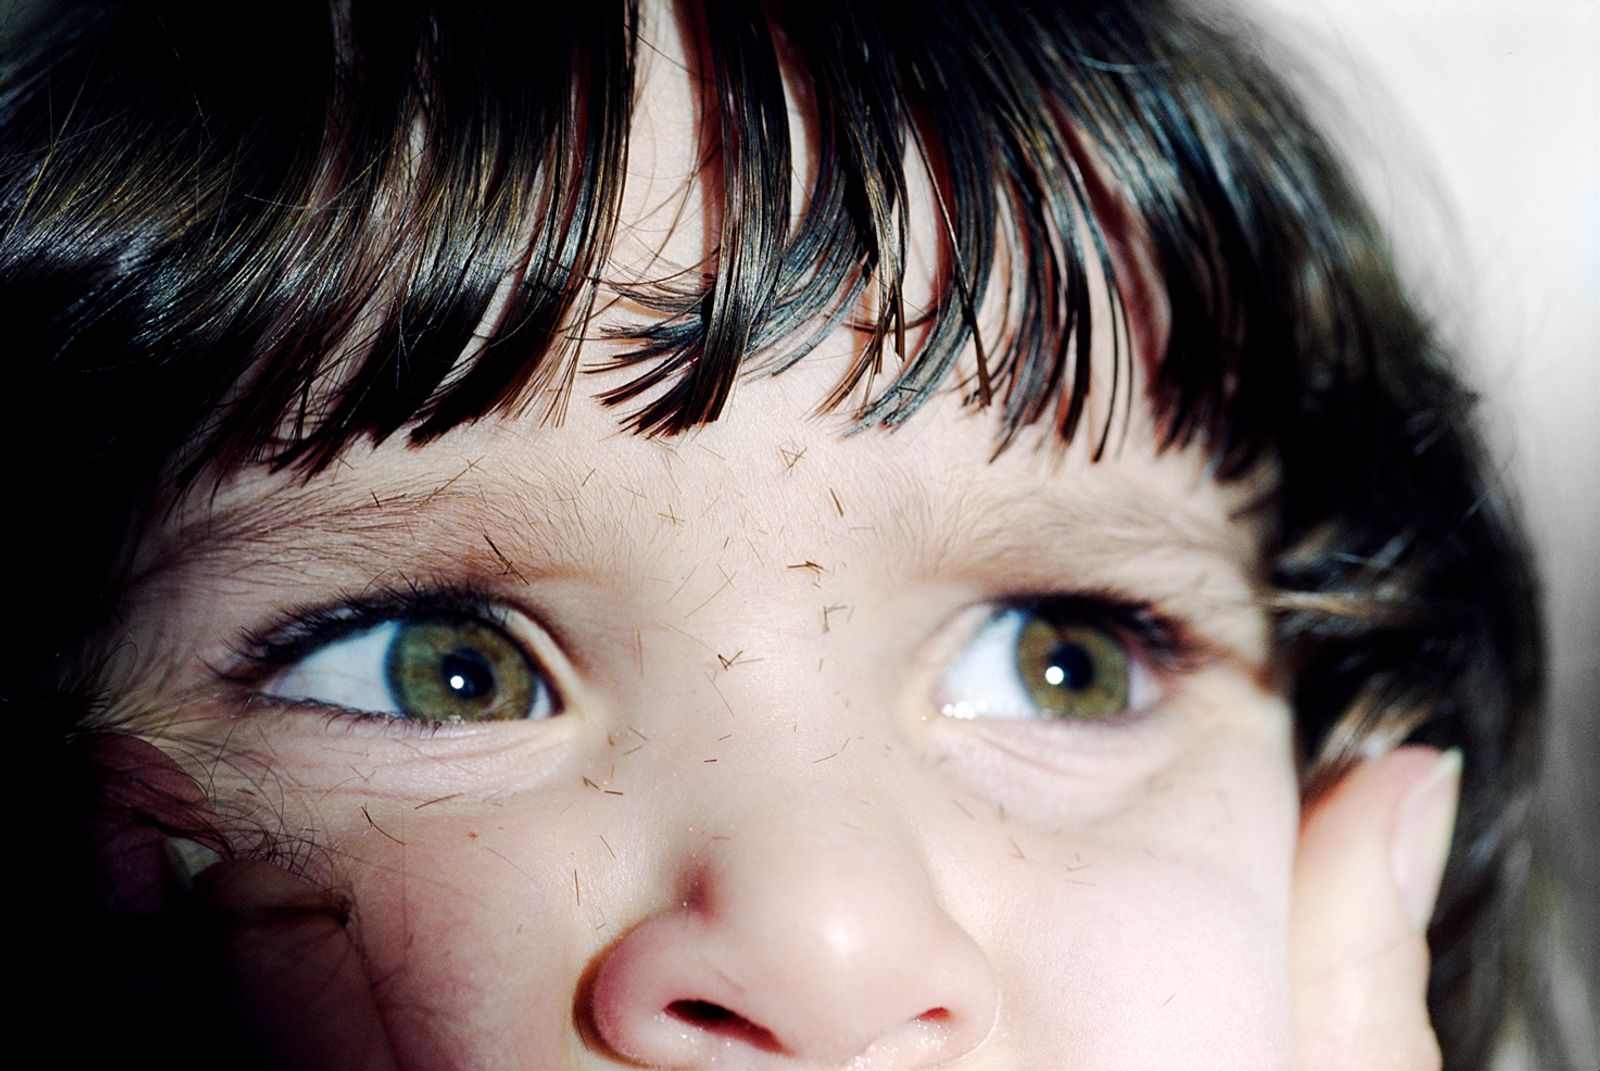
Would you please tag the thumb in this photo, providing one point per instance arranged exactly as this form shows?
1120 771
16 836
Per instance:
1366 876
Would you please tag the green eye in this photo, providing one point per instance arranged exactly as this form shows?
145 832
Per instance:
1025 663
443 668
1072 671
450 670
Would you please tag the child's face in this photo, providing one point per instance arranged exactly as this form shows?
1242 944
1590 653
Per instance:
792 752
753 794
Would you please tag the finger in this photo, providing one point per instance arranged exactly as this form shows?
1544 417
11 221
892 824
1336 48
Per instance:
297 984
262 957
1366 876
131 800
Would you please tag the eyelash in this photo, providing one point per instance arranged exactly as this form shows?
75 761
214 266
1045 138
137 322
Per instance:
263 653
1163 643
1166 644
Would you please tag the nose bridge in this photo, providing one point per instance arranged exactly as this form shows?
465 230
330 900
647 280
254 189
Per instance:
807 932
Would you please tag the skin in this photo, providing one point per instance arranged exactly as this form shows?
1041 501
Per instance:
753 797
852 858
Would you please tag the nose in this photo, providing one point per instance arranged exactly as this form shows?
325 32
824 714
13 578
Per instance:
798 944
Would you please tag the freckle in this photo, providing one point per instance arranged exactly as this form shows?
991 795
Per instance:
471 835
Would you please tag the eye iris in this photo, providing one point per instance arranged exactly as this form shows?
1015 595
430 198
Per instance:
447 670
1072 671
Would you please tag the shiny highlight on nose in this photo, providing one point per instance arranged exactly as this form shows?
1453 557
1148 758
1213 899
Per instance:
811 946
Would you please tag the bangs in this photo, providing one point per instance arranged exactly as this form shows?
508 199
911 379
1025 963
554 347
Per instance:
310 227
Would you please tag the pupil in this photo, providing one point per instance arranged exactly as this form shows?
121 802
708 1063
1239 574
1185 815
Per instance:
466 675
1070 668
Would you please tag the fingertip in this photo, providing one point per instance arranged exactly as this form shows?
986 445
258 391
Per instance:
1424 828
1370 859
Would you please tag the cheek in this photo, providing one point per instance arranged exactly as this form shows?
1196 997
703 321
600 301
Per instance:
475 932
1123 936
1162 931
1153 960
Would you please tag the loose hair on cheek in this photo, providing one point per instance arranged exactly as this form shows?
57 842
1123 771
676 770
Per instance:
219 252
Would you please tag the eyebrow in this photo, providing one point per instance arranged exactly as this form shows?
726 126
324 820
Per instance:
479 525
456 519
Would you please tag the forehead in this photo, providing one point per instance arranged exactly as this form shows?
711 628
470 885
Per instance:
779 482
776 480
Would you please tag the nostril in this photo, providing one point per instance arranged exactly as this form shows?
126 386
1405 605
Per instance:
715 1019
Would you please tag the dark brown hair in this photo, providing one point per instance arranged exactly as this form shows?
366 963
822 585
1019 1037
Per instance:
225 246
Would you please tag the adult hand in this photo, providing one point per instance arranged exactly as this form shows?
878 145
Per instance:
1366 877
223 962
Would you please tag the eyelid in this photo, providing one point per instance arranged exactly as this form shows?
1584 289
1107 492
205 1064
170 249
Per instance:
1169 645
1158 647
296 633
295 636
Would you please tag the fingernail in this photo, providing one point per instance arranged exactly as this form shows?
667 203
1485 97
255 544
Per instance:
1425 824
187 860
